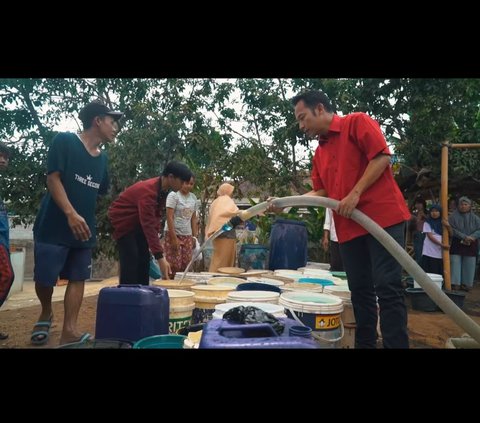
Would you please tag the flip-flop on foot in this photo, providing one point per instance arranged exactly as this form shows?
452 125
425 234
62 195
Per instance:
40 336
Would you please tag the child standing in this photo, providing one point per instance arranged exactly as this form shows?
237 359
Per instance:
432 246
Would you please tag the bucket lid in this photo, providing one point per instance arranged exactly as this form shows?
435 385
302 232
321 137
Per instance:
267 281
324 282
231 270
212 288
168 283
316 265
338 290
253 295
304 286
180 293
311 302
226 281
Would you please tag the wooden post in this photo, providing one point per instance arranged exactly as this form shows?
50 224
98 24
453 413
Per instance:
444 204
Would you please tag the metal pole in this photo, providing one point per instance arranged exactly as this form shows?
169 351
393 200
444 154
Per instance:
444 204
465 145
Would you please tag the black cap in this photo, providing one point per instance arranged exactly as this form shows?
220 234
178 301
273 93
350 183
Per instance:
97 108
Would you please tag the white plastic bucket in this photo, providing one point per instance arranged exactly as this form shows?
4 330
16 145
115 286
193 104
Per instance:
320 312
344 294
253 296
226 281
184 285
315 265
206 298
287 273
181 307
436 278
17 258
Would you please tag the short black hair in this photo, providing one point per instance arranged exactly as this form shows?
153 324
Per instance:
179 170
312 99
4 150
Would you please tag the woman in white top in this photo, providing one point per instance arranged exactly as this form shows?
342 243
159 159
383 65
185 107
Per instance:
432 261
181 227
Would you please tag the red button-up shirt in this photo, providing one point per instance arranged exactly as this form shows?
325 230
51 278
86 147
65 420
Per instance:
138 206
340 161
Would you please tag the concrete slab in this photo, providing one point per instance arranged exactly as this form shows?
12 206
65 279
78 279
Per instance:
27 297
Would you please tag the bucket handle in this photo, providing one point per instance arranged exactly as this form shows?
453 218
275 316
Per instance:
249 328
316 336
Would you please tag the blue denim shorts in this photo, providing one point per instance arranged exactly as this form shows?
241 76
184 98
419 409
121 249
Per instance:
58 261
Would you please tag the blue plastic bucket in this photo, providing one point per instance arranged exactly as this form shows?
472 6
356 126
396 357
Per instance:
161 342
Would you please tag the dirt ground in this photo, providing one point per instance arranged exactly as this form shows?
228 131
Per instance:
427 330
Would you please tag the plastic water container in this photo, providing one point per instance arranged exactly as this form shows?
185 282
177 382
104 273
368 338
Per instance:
303 331
288 245
181 306
223 334
132 312
253 256
436 278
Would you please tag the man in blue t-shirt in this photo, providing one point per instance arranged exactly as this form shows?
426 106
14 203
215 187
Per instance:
6 270
65 227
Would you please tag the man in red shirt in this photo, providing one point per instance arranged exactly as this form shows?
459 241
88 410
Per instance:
352 165
136 218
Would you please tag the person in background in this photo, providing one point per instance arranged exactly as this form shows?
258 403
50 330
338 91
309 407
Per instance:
416 227
352 165
65 227
221 210
330 241
181 227
136 217
465 231
432 261
6 271
452 205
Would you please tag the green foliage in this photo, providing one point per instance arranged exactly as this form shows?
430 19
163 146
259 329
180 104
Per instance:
198 121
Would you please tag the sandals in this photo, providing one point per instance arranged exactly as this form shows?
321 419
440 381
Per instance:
40 337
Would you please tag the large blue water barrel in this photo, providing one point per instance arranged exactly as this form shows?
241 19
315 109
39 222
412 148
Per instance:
253 256
288 244
132 312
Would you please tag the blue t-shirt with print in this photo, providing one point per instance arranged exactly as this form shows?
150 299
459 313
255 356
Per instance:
4 228
84 177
